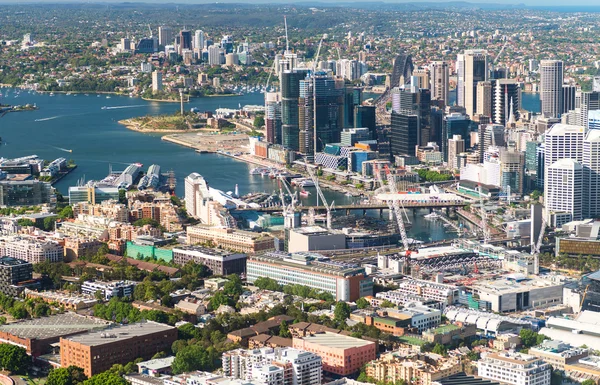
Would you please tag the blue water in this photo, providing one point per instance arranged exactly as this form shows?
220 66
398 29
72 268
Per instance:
530 102
79 123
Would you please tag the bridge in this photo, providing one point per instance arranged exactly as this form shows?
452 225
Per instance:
370 206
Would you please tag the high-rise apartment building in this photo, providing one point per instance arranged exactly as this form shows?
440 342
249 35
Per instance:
476 70
185 40
551 87
197 195
157 84
198 41
165 36
216 55
290 94
484 98
365 116
438 72
460 80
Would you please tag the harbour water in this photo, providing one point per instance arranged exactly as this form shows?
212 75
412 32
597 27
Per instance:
76 127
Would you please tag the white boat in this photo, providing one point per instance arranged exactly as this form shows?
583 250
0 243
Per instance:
256 171
306 183
51 93
431 216
107 97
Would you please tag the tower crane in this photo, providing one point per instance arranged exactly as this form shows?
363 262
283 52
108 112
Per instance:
484 227
328 207
314 95
535 248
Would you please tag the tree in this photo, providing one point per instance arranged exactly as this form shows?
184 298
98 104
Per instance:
14 358
233 287
439 349
217 300
259 121
529 337
387 303
72 375
342 311
284 331
106 378
190 358
188 331
588 382
66 212
49 223
362 303
23 222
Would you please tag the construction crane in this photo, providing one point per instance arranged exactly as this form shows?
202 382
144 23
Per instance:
535 248
328 207
583 297
484 227
314 95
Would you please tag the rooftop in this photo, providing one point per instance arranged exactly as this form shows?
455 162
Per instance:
118 333
339 341
310 261
10 261
54 326
157 364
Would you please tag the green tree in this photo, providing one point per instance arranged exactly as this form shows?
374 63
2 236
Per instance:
341 311
529 338
233 287
72 375
188 331
49 223
217 300
284 331
105 378
387 303
362 303
24 222
14 358
588 382
192 357
66 212
259 121
439 349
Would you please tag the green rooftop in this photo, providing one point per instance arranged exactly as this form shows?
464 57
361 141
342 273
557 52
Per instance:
412 340
443 329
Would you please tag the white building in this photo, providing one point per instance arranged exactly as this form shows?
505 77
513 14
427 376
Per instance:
268 366
514 368
198 200
564 188
157 84
422 317
447 294
591 174
31 249
109 289
551 83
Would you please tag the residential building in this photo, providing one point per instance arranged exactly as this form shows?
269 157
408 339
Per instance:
343 282
591 174
412 367
157 82
108 290
110 209
156 367
98 351
26 193
484 99
456 146
342 355
15 276
76 247
237 240
292 366
31 249
220 262
165 36
551 83
514 368
444 293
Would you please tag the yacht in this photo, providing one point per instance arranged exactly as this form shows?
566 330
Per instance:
431 216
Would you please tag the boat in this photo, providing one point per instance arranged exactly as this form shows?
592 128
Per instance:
256 171
431 216
104 108
51 93
304 193
107 97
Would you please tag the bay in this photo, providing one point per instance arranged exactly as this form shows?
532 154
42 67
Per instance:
78 123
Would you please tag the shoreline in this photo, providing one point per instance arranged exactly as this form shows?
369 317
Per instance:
133 126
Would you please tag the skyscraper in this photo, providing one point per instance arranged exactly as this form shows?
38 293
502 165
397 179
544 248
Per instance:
564 188
198 41
562 141
185 40
506 99
216 56
476 70
404 133
551 92
591 174
484 98
365 116
165 36
590 101
273 117
352 98
438 71
415 101
455 124
290 92
456 145
460 80
569 91
157 84
593 121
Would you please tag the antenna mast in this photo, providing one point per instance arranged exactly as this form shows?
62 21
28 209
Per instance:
287 42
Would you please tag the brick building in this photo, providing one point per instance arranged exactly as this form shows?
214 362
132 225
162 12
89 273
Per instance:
96 352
